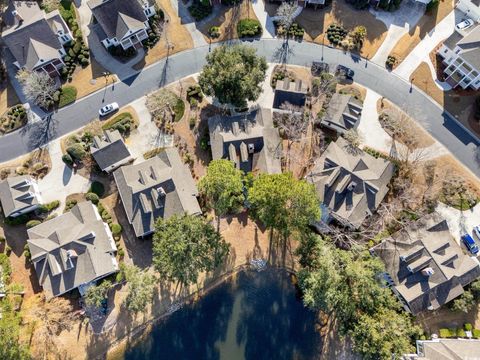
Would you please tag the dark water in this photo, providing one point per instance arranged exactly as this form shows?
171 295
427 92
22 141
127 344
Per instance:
257 316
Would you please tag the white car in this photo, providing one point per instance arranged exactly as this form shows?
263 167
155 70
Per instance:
465 24
476 231
107 109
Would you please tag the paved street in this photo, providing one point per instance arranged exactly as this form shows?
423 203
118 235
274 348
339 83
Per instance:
418 105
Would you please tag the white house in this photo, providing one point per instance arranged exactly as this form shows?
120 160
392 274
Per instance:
123 23
471 8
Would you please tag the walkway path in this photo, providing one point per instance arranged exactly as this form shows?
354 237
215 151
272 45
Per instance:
422 51
264 18
441 125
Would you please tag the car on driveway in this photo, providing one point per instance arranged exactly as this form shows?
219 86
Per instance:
345 72
108 109
470 244
465 24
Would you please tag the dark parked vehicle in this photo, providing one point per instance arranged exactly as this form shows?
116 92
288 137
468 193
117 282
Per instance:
344 72
318 68
470 244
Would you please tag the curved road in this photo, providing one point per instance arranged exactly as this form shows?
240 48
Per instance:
417 104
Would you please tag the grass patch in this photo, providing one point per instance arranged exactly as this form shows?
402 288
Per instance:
13 119
123 122
179 110
68 95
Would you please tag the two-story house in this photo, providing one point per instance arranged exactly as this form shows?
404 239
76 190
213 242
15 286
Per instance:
123 23
35 38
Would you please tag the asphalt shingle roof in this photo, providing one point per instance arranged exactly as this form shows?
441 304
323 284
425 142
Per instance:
16 194
109 150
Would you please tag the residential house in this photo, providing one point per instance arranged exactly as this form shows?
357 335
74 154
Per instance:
471 8
289 92
425 267
461 57
19 195
35 38
159 187
350 183
343 113
123 23
110 151
445 349
249 140
72 250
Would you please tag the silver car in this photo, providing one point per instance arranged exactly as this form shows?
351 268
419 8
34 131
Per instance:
108 109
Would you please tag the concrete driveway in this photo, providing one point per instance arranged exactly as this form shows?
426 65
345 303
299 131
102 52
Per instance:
398 23
190 24
421 52
460 222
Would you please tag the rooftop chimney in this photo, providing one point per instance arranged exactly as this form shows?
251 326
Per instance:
17 16
428 272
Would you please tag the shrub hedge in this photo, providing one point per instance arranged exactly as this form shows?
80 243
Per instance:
249 28
33 223
97 188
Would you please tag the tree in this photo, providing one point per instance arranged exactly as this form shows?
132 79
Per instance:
475 289
50 5
140 287
186 245
48 320
358 35
353 138
222 186
97 293
233 74
386 334
161 105
464 302
10 346
286 14
284 203
37 87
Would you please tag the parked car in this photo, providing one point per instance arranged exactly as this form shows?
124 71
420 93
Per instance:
476 231
318 68
345 72
108 109
465 24
470 244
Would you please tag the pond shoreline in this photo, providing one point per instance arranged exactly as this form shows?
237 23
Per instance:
118 346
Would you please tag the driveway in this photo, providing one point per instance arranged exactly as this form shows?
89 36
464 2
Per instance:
460 222
398 23
85 17
186 20
441 125
147 136
264 18
421 52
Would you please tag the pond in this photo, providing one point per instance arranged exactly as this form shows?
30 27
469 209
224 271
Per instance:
256 316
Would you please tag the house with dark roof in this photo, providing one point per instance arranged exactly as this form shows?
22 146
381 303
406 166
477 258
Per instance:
350 183
19 195
72 250
159 187
249 140
110 151
291 92
35 38
343 113
425 267
123 23
461 57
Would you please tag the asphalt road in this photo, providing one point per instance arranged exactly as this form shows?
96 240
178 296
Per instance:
418 105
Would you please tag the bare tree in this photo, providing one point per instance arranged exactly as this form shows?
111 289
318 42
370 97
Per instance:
354 139
48 319
161 105
38 87
286 14
50 5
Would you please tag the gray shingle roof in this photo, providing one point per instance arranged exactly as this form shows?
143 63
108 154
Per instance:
109 149
17 193
286 91
256 131
72 249
35 38
449 349
343 113
158 187
426 244
351 184
469 45
116 17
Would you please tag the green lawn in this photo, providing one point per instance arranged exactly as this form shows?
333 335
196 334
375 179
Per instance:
67 96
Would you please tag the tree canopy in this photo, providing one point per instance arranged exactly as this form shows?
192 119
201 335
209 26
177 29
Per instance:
10 347
184 246
222 186
284 203
233 74
140 287
96 294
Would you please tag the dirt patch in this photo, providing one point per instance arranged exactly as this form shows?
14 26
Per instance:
227 20
90 79
422 78
175 37
408 41
8 97
316 22
357 91
36 164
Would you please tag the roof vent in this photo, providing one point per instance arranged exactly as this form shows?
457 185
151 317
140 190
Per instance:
428 271
251 148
